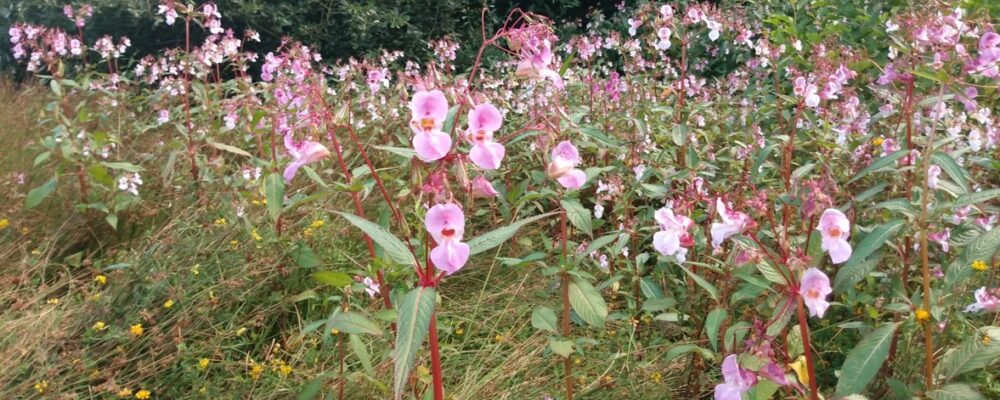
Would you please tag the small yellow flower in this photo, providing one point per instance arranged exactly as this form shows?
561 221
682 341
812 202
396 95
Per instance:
241 331
256 370
142 394
459 331
234 244
136 330
577 361
4 223
25 231
317 224
986 339
220 221
308 232
203 363
799 366
195 270
54 301
979 265
36 252
169 303
125 393
256 236
99 326
656 377
878 141
285 370
41 386
334 331
499 338
101 279
922 315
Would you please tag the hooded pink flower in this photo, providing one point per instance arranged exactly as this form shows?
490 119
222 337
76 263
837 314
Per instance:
673 234
446 224
371 287
482 188
535 62
733 223
941 238
304 152
429 110
565 158
736 380
932 176
985 301
814 288
834 228
483 121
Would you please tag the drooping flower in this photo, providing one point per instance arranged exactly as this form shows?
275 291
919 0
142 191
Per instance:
446 224
482 188
371 287
932 176
664 35
673 234
835 228
483 121
736 380
429 110
303 153
986 300
565 158
814 288
633 25
733 223
941 238
535 62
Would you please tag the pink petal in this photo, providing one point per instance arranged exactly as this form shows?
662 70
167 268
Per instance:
666 242
450 256
485 117
814 287
431 146
839 249
429 104
482 187
573 179
442 217
487 155
292 169
566 151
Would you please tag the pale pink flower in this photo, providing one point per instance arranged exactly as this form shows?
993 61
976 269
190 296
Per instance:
814 288
933 174
673 233
811 98
303 153
482 188
565 158
633 25
736 380
733 223
835 229
985 301
168 12
536 63
483 121
371 287
664 35
446 224
429 110
941 238
163 117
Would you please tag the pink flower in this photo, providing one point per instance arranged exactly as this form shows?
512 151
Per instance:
673 233
812 99
941 238
483 121
733 223
482 188
835 229
932 176
535 62
985 301
429 110
565 158
304 152
664 35
814 288
446 224
168 12
736 380
372 287
163 117
633 25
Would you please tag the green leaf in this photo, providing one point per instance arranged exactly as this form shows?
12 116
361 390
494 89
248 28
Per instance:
850 274
360 349
973 198
274 192
312 389
596 134
868 244
543 318
415 313
955 391
600 242
336 279
713 322
587 302
354 323
712 291
305 256
864 361
971 355
394 248
577 215
500 235
399 151
880 163
983 247
228 148
124 166
561 347
449 120
771 273
950 167
36 195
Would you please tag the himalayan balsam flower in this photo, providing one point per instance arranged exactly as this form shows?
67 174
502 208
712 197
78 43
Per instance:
446 224
371 287
736 380
835 229
673 233
304 152
482 188
565 158
535 62
733 223
814 288
985 301
932 176
483 121
163 117
429 109
941 238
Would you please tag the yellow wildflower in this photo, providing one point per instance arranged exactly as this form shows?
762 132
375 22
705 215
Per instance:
656 377
234 244
142 394
317 224
203 363
125 393
308 232
979 265
99 326
220 221
334 331
195 269
101 279
41 386
169 303
25 231
878 141
4 223
986 339
922 315
54 300
285 369
459 331
256 370
136 330
256 236
241 331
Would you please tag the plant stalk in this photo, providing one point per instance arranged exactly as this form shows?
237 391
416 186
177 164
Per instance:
807 349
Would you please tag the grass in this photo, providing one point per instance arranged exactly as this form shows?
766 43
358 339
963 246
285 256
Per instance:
239 300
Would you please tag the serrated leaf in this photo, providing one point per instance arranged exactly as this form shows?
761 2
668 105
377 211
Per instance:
880 163
708 286
336 279
36 195
391 245
713 322
587 302
983 247
596 134
975 353
500 235
600 242
274 192
312 389
305 256
577 215
561 347
229 148
415 313
955 391
951 167
973 198
123 166
544 318
354 323
850 274
400 151
771 273
868 244
360 349
864 361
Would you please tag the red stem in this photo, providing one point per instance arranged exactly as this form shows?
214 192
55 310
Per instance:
436 359
807 349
